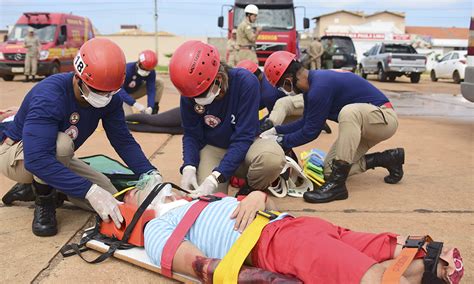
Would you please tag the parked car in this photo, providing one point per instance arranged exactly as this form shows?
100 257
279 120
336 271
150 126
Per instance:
389 61
345 54
451 65
467 87
61 35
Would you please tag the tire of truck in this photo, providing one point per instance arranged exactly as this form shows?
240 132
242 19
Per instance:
381 75
8 77
456 77
433 76
54 69
415 77
392 77
361 71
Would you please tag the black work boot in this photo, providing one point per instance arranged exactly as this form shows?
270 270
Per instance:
27 78
156 108
19 192
44 220
335 186
326 128
267 124
392 160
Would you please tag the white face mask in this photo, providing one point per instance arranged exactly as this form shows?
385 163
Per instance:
210 96
96 100
142 72
288 93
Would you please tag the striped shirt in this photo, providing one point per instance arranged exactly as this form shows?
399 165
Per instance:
213 232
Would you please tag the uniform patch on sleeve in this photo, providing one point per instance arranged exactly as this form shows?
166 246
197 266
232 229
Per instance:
211 120
72 132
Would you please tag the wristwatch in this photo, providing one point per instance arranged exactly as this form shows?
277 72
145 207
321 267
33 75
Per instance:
218 176
279 139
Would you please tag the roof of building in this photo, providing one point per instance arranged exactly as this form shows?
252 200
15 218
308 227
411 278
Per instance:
439 32
360 14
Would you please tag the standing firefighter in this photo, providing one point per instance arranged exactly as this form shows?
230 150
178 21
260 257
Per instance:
32 45
246 37
141 80
315 52
232 49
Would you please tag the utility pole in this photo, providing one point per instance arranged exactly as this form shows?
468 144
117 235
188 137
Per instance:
156 28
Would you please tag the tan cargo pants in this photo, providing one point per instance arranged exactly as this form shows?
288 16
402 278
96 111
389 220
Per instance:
361 126
315 64
31 64
141 92
287 109
262 165
247 54
12 166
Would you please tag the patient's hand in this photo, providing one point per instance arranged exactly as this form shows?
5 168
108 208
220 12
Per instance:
247 209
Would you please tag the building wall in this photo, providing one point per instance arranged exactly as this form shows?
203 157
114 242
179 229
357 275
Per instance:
132 45
387 17
340 18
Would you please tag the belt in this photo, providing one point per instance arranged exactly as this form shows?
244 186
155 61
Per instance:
9 141
228 269
245 47
387 105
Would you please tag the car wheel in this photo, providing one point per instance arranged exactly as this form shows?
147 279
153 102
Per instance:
54 69
382 76
362 72
415 77
392 78
433 76
8 77
456 77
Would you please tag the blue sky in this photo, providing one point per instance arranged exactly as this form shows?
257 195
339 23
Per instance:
193 17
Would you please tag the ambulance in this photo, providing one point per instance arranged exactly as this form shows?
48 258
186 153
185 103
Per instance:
61 36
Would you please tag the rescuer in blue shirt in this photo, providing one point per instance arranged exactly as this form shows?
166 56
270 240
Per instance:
141 80
281 108
219 110
55 119
365 117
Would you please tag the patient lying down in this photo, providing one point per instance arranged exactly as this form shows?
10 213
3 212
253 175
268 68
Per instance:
289 250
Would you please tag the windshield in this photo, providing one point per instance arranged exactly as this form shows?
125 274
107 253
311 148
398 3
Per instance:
341 45
269 19
45 34
396 48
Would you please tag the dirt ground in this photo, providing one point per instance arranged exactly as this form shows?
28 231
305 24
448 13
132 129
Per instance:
435 197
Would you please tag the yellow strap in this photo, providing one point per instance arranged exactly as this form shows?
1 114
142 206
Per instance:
228 269
123 191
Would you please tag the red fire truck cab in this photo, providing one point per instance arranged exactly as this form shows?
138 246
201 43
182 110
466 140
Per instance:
277 19
61 35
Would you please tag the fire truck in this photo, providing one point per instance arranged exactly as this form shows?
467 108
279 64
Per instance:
61 35
277 19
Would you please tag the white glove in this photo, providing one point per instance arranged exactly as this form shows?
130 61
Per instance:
208 186
148 110
139 106
104 204
189 179
269 133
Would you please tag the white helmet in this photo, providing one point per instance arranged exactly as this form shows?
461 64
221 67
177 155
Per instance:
251 9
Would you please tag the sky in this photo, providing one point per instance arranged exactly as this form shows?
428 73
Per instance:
199 17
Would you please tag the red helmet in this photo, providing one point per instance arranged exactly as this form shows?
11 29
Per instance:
248 64
276 65
100 63
147 59
193 67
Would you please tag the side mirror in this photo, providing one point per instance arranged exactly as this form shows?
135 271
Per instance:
365 54
305 23
220 21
